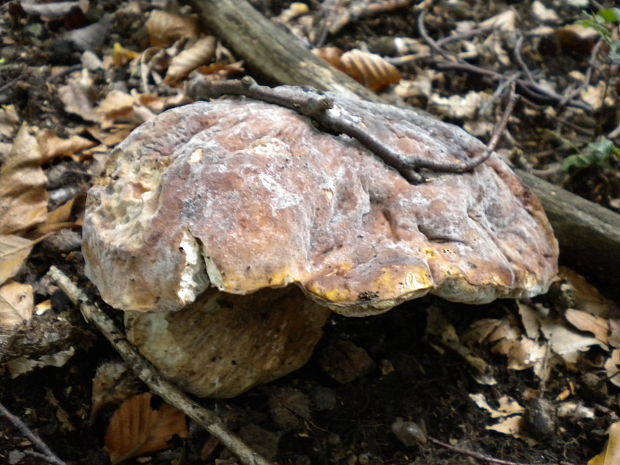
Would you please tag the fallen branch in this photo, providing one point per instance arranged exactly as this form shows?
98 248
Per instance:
145 371
528 86
318 106
47 453
271 51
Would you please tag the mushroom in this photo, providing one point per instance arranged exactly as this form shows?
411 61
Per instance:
227 229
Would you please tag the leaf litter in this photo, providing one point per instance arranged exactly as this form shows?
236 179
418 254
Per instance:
128 81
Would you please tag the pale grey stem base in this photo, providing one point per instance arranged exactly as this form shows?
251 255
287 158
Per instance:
149 375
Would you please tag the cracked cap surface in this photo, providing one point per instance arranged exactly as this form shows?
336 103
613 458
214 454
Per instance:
242 195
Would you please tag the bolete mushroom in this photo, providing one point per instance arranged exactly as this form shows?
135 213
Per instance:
222 218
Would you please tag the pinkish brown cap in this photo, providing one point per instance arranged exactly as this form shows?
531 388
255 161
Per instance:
242 195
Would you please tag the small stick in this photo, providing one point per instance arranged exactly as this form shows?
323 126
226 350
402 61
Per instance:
533 89
471 453
39 444
147 373
317 106
501 126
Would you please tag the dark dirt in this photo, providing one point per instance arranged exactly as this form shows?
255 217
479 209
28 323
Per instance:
414 377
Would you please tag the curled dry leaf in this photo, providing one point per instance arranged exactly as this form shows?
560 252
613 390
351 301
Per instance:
53 146
112 384
121 56
143 424
612 367
16 304
367 68
222 70
584 295
295 10
198 54
9 121
14 251
121 107
53 11
584 321
23 194
76 96
611 453
166 28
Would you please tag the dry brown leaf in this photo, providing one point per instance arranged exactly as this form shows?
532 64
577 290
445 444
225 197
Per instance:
56 10
110 137
9 121
585 296
143 424
16 304
584 321
480 330
76 96
14 251
505 21
612 366
461 107
166 28
614 332
121 107
121 56
567 343
507 406
367 68
222 69
529 319
611 453
23 365
112 384
295 10
53 146
198 54
63 213
331 55
23 193
510 426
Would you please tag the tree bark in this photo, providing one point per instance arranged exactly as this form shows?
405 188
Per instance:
271 50
589 235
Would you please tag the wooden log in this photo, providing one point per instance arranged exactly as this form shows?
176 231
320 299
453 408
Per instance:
589 235
271 51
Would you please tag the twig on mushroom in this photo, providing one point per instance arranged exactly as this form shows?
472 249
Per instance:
318 107
36 440
144 370
501 126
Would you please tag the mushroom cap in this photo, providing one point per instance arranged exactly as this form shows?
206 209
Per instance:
243 195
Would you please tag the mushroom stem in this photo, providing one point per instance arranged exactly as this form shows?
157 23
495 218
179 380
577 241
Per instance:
145 371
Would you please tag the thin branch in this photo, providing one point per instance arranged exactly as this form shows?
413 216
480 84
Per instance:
501 126
531 88
471 453
323 110
464 35
36 440
149 375
520 60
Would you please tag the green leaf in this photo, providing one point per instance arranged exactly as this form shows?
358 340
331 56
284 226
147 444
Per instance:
612 15
597 153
